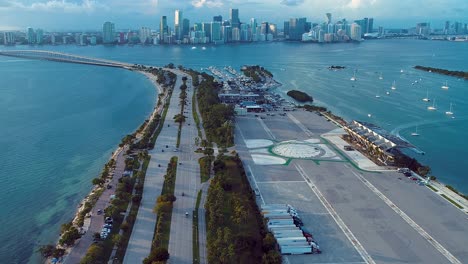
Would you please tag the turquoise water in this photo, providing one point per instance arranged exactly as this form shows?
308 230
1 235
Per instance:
76 105
60 123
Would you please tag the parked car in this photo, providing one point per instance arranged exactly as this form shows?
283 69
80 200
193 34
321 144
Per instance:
99 211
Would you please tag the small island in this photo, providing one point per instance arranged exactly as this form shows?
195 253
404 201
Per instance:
336 67
460 74
300 96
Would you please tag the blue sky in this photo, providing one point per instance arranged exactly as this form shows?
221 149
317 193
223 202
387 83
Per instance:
90 14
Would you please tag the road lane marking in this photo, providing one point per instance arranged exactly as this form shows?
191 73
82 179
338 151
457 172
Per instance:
255 181
357 245
300 125
267 130
410 221
272 182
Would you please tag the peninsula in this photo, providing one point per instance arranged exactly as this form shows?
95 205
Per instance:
459 74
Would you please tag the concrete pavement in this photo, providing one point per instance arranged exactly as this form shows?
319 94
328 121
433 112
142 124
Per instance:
140 242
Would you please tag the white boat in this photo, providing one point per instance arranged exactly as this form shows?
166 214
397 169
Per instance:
415 133
377 96
393 86
432 107
387 93
449 112
401 71
426 99
194 47
380 77
445 86
354 76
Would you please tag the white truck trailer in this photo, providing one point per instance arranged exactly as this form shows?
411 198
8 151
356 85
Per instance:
295 250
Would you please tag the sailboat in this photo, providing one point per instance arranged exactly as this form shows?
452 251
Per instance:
393 86
380 77
415 133
432 107
445 86
426 99
354 76
401 71
449 112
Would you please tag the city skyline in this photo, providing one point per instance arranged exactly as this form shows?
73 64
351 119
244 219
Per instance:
87 14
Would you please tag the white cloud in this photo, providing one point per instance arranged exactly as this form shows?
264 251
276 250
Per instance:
207 3
360 3
86 6
292 2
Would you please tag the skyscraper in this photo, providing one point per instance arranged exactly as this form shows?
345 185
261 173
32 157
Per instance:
356 32
108 32
370 25
297 27
253 26
234 17
216 32
178 25
185 27
163 29
8 38
39 36
206 27
145 35
31 36
265 28
218 19
329 18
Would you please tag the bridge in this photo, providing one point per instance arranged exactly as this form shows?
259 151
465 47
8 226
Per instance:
63 57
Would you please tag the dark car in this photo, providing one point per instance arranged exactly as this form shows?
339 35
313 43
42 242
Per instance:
407 174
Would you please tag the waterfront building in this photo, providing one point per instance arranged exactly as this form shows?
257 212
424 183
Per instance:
121 38
108 32
178 25
185 27
423 29
83 40
53 39
206 27
163 30
227 34
356 32
253 26
235 34
329 18
234 18
265 28
321 35
218 19
297 27
197 27
31 37
216 36
145 35
8 38
39 36
370 25
93 40
244 33
286 29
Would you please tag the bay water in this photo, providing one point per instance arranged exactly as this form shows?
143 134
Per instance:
60 122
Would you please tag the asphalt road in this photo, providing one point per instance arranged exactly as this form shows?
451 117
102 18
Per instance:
97 220
356 216
139 245
187 182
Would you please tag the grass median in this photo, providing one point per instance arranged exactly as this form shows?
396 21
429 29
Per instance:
452 201
163 209
195 235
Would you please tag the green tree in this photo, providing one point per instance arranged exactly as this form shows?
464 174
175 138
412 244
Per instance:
157 254
94 255
69 237
98 181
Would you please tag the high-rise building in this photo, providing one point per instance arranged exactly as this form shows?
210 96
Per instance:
286 29
370 25
39 36
163 29
253 26
216 32
145 35
423 29
234 17
447 27
356 32
178 25
31 36
297 27
8 38
185 27
235 34
273 30
206 27
265 28
218 19
108 32
329 18
227 33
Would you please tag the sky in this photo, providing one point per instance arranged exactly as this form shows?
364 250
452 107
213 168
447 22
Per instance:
55 15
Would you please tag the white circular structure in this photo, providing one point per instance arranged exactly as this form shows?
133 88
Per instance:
298 150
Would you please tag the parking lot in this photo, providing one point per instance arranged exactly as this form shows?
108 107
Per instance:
355 216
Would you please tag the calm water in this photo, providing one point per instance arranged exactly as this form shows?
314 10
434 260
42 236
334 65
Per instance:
63 120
